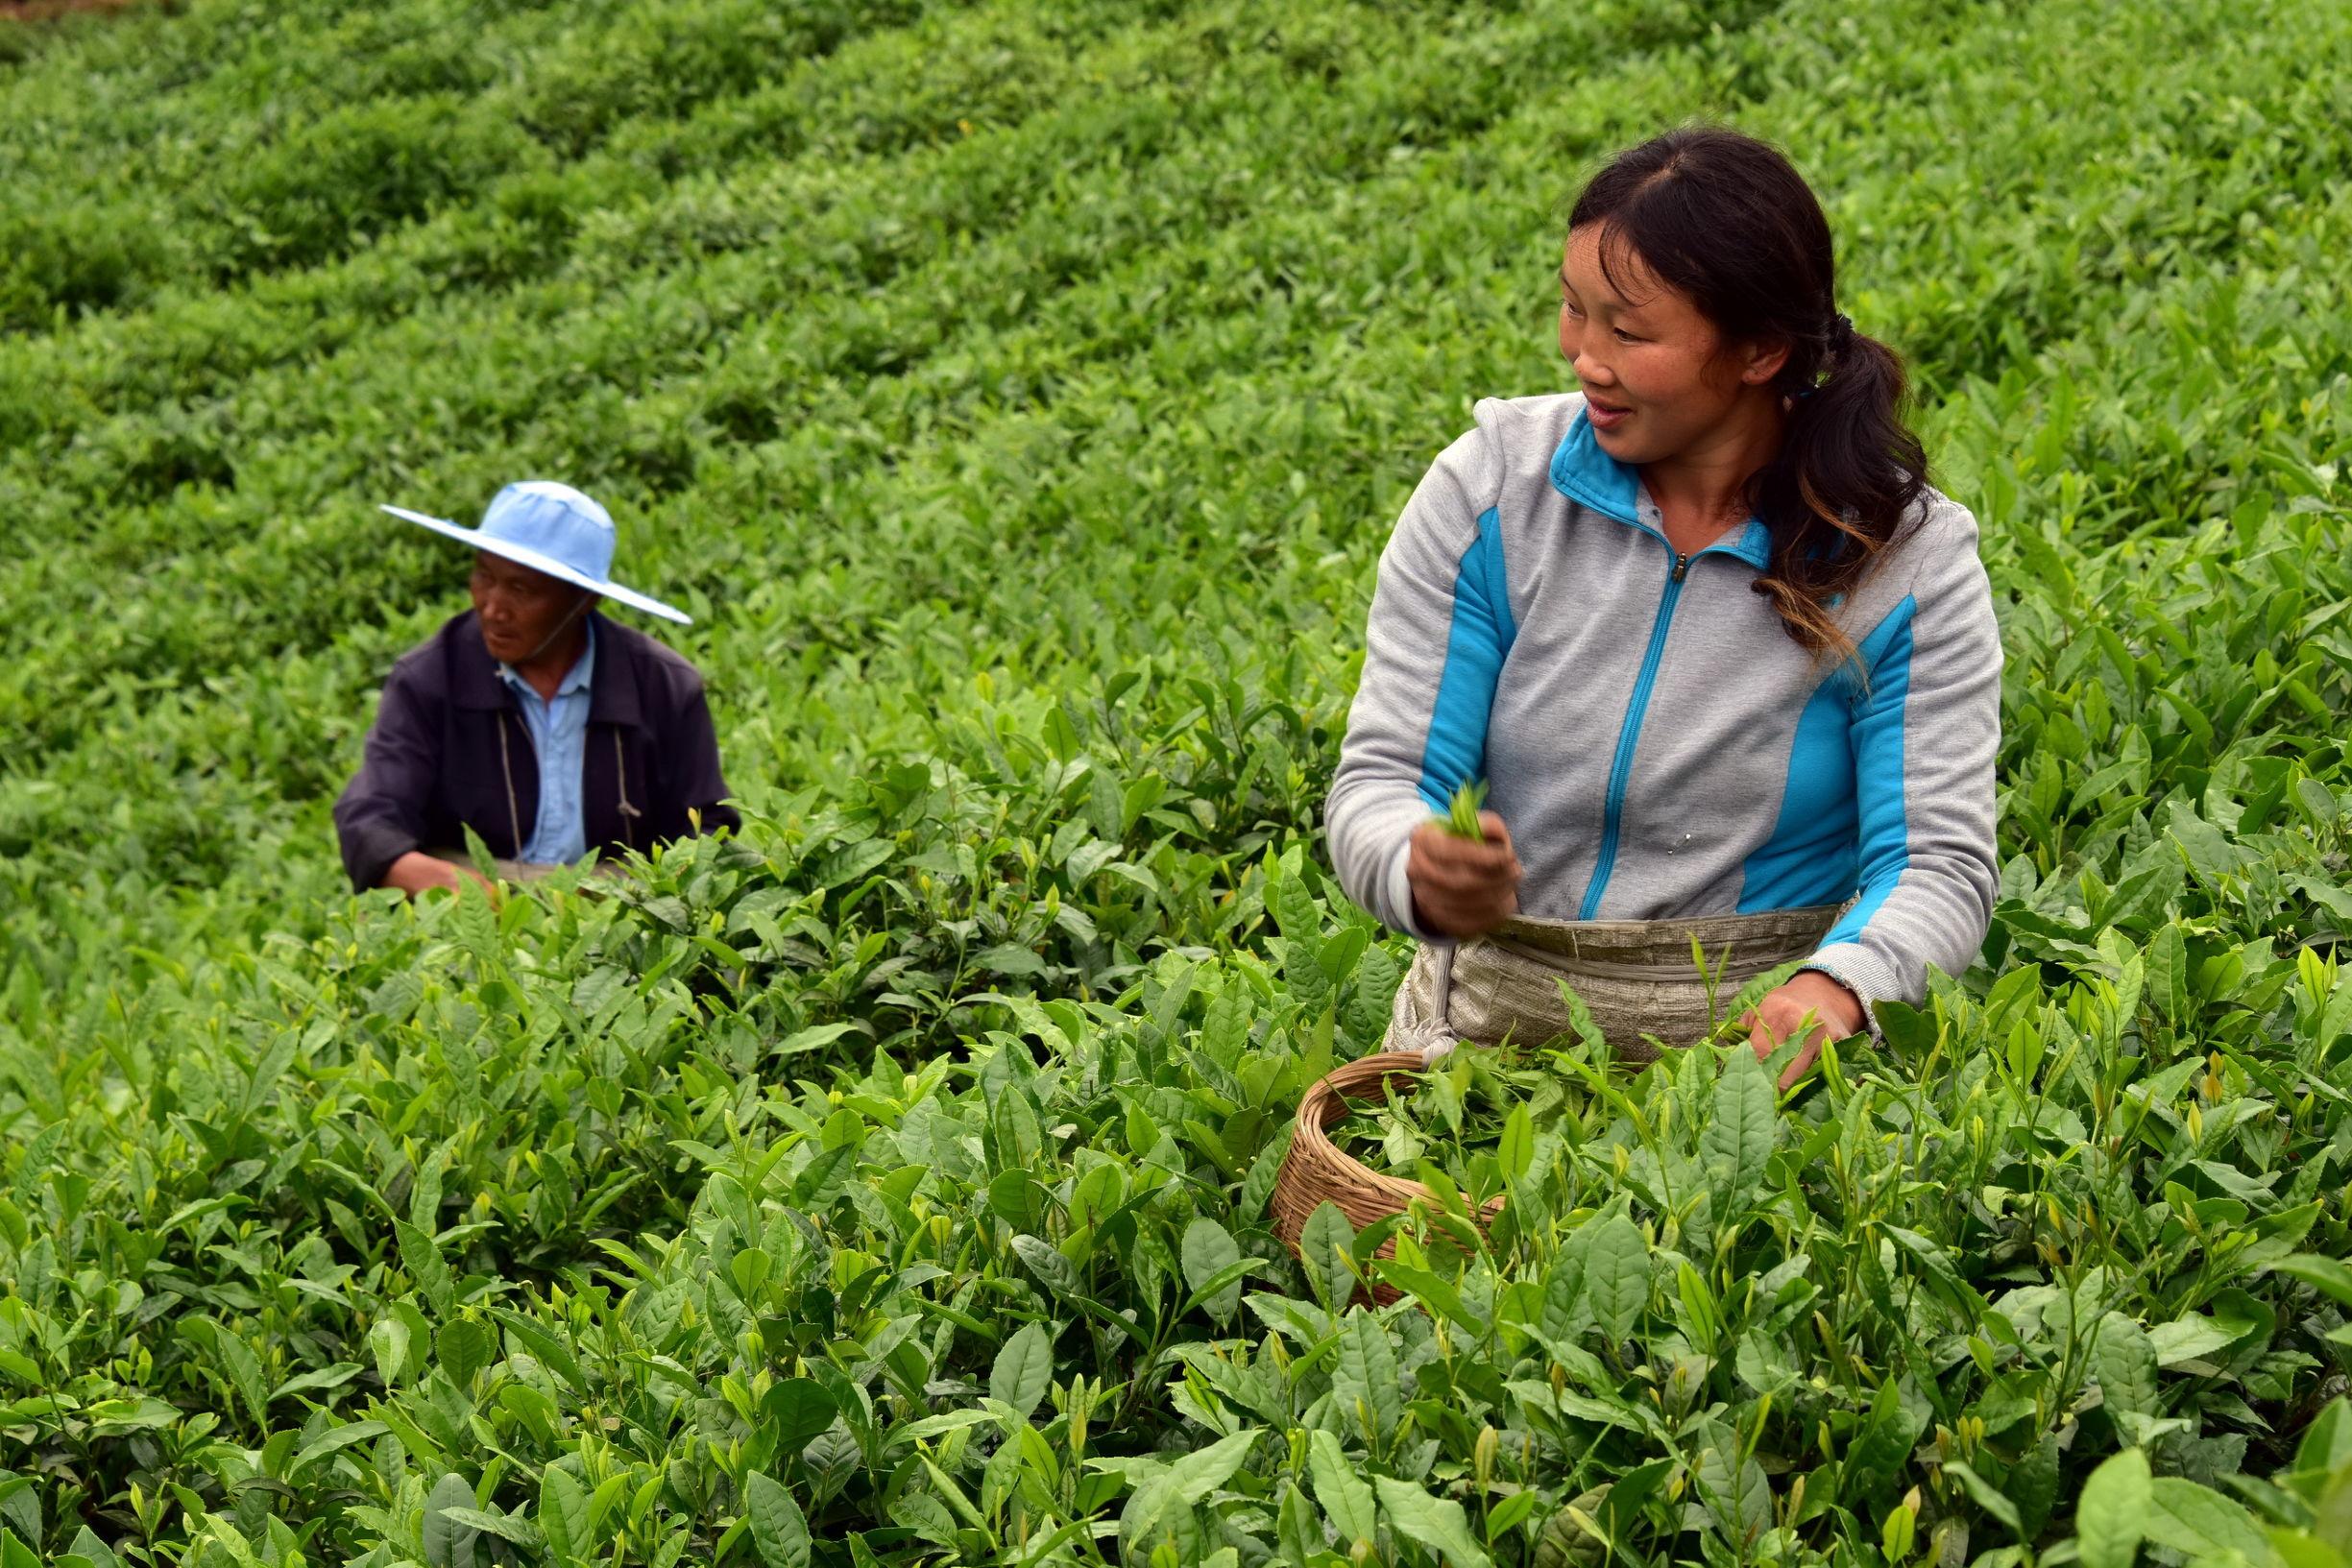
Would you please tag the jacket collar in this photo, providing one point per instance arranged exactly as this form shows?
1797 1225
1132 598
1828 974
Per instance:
1591 478
612 696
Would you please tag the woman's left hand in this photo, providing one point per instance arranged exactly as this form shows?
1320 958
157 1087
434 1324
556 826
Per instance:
1835 1011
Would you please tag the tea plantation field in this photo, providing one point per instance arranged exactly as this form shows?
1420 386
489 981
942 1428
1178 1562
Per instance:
1019 393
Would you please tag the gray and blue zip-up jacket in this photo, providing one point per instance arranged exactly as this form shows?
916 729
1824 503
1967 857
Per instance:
1656 743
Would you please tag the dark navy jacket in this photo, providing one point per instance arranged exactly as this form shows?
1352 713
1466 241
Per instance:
450 750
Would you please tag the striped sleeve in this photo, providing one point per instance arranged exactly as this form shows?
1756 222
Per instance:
1439 629
1925 731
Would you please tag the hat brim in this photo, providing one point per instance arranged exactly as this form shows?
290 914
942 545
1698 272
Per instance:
524 555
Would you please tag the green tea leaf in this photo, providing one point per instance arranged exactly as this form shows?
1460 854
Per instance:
2033 1485
1024 1369
506 1526
778 1529
388 1342
1568 1310
1224 1034
2123 1363
2201 1523
425 1263
1617 1276
1516 1149
335 1441
1438 1524
1738 1141
2113 1510
1364 1382
89 1546
563 1515
1325 1243
1186 1482
2331 1277
448 1540
1209 1252
541 1343
1986 1496
797 1410
1347 1501
465 1348
1371 998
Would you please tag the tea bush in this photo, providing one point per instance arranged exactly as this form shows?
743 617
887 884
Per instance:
1019 396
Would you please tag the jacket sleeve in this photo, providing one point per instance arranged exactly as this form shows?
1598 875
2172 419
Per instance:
1439 629
692 780
380 815
1924 730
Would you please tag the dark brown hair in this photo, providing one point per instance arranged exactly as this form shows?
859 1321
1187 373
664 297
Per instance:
1726 221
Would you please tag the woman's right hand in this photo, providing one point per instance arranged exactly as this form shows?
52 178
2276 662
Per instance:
1462 887
417 872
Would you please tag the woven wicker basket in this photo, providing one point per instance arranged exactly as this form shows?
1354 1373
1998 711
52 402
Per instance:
1315 1170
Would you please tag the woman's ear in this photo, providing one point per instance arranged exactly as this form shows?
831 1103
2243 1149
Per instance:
1762 361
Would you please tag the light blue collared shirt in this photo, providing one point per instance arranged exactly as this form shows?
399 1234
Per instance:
559 734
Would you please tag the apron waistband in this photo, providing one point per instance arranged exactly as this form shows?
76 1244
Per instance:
1635 977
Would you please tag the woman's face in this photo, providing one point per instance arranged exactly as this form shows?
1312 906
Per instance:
1657 381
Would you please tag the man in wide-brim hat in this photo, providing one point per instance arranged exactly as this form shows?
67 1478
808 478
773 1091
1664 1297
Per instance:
532 719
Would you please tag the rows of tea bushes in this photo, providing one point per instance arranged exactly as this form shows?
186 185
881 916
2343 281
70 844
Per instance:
375 118
1019 396
248 542
672 1202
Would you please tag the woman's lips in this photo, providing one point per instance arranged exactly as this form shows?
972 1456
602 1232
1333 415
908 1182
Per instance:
1604 416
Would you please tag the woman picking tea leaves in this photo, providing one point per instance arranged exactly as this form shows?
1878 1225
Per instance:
1725 662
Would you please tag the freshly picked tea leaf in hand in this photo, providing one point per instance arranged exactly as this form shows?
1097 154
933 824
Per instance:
1461 817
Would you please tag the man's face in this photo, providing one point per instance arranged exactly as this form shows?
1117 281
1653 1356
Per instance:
521 610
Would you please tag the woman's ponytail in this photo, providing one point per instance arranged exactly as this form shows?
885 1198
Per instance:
1727 220
1850 471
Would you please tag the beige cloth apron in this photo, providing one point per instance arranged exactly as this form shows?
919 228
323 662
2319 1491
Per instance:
1637 977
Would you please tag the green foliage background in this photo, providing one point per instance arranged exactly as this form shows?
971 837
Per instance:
1019 394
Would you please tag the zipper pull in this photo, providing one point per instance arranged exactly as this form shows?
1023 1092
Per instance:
1682 564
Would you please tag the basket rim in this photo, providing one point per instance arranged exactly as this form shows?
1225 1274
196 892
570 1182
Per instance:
1325 1103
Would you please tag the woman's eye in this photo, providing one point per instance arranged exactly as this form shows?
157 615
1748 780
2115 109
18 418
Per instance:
1624 336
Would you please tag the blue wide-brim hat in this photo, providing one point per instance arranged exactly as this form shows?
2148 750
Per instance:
551 528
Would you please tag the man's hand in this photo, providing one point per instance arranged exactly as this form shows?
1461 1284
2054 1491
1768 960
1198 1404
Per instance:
1461 886
1835 1011
418 872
